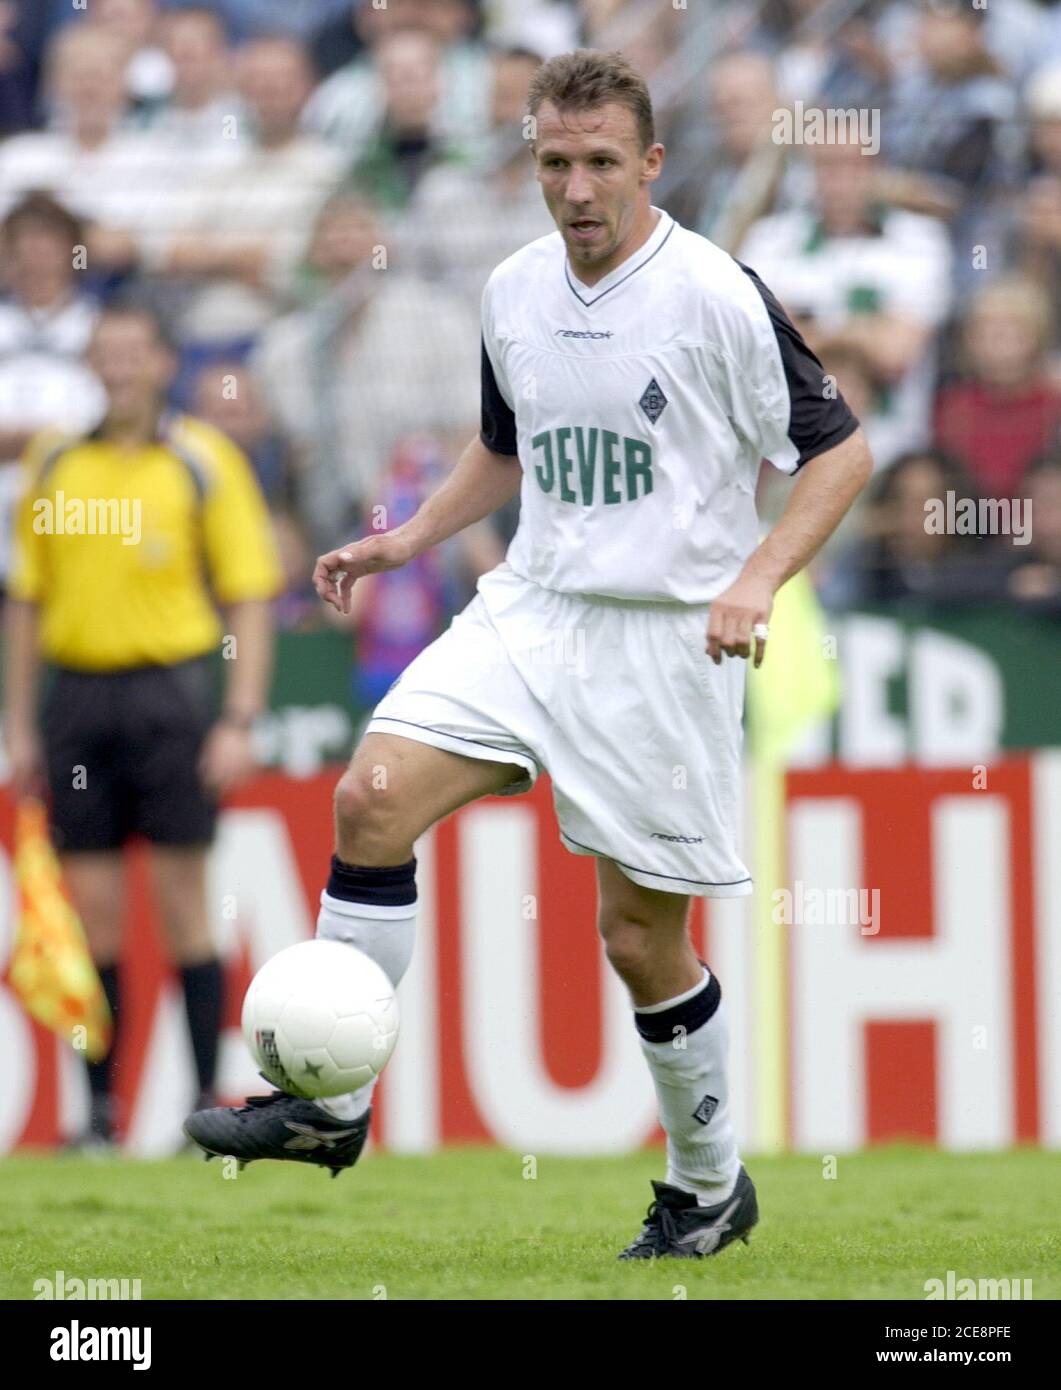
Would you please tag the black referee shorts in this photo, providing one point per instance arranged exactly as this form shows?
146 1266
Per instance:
121 752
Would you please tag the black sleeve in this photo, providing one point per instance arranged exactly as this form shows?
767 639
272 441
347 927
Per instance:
498 427
819 420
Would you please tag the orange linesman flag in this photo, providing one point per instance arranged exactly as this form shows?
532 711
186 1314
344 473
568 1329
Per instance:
51 969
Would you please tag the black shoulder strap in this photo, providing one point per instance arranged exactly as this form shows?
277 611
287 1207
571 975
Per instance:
54 454
197 469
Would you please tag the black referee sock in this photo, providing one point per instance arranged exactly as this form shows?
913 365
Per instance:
101 1073
204 997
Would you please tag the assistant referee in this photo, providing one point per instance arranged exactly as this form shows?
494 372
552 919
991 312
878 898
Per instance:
127 543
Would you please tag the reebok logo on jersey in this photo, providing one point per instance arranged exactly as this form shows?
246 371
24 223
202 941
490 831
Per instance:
600 467
653 402
581 333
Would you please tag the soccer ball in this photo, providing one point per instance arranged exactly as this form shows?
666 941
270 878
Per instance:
320 1018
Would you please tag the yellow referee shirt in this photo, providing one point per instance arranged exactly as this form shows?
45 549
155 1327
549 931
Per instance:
127 552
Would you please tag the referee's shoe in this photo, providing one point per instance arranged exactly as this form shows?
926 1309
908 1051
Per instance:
280 1126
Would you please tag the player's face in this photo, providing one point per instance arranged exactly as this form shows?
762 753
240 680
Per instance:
595 176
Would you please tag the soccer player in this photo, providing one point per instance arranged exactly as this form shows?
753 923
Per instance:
633 378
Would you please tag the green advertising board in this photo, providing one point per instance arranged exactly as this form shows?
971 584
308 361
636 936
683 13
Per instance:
942 687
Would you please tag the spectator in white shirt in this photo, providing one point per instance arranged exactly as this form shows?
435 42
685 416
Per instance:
348 107
82 157
148 71
855 273
124 183
195 133
441 241
201 97
246 227
378 355
45 325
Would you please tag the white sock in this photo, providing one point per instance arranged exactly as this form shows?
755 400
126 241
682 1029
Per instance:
686 1054
383 932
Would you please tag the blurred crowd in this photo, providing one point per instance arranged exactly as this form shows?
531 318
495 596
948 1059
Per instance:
312 194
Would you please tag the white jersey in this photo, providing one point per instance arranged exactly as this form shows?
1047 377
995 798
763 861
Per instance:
640 409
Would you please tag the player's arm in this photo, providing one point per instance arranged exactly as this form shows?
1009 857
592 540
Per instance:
21 678
27 586
245 576
824 490
481 482
784 403
227 756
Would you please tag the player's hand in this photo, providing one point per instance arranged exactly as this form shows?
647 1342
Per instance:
335 573
746 603
227 758
26 760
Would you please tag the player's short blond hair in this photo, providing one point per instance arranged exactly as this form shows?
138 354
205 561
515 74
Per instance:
587 78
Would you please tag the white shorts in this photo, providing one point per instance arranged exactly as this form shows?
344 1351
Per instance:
616 699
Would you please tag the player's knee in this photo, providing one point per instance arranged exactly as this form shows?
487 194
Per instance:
370 827
627 944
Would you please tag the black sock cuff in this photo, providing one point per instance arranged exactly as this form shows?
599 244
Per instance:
690 1015
392 886
202 970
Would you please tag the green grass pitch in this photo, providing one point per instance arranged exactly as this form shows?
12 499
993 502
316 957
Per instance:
467 1224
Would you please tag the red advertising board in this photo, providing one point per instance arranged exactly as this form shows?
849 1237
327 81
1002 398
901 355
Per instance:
922 962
